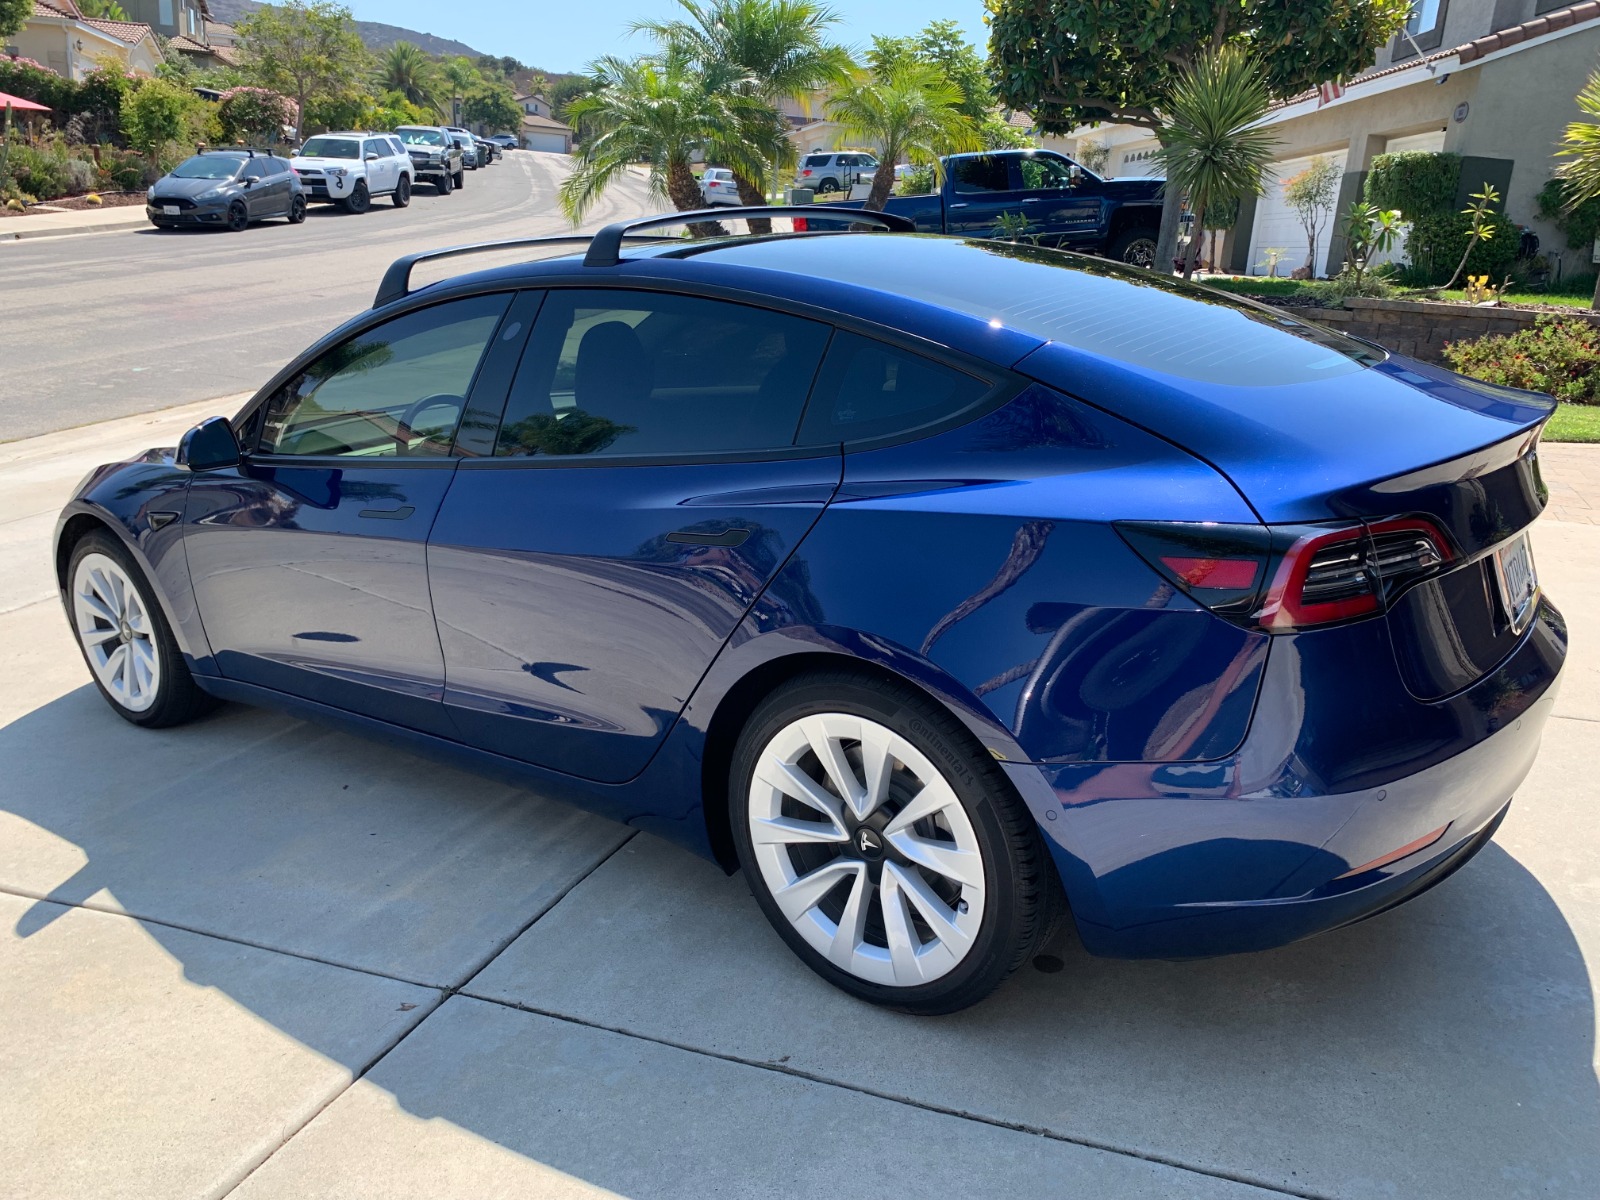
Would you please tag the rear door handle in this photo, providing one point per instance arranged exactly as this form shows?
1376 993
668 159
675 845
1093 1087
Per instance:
728 537
963 205
388 514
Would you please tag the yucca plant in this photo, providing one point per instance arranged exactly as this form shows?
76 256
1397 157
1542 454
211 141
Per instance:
1212 147
912 111
1581 148
405 68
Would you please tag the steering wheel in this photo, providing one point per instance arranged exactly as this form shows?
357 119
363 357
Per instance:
408 421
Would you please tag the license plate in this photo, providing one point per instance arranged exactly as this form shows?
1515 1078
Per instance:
171 210
1519 586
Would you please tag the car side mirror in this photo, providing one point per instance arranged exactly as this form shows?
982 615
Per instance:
1074 175
248 180
209 446
372 158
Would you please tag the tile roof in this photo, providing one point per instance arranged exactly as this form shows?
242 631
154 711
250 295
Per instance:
532 122
131 32
56 10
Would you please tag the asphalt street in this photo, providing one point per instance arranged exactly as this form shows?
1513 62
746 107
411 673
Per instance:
108 325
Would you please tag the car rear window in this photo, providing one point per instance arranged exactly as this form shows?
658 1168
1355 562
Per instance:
817 160
867 389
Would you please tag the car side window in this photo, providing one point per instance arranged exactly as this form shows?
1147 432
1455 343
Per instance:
867 389
396 148
395 390
622 373
1043 171
374 146
981 173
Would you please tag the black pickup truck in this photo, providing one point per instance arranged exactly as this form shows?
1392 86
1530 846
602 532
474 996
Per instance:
1066 205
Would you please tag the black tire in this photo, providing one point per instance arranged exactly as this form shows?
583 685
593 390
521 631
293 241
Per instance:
359 199
1021 895
177 698
827 187
461 178
238 217
1136 247
297 210
444 184
402 192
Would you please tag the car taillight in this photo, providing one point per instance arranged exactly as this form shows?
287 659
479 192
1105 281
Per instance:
1285 578
800 225
804 173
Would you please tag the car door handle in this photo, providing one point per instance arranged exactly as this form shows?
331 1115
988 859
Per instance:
961 205
388 514
691 537
1033 199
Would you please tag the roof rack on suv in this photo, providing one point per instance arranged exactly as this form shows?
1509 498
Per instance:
606 246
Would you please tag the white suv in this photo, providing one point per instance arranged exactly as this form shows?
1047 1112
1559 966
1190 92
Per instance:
349 169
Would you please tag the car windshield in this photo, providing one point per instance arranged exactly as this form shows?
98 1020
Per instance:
421 137
208 166
331 147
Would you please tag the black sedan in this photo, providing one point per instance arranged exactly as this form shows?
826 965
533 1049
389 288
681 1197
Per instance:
226 189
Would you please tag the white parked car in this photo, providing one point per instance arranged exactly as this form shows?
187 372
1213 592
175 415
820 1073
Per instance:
349 169
718 187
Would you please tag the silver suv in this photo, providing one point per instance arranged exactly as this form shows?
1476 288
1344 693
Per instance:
350 168
824 173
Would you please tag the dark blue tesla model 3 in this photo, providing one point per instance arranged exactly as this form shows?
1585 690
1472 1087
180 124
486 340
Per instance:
951 588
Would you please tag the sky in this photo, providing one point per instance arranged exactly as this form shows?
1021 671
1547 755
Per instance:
564 35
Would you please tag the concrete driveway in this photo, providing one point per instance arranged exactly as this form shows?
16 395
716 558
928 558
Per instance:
255 957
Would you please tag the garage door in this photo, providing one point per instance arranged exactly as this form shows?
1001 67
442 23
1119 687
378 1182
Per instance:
546 141
1277 224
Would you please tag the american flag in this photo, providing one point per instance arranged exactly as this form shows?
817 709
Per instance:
1329 92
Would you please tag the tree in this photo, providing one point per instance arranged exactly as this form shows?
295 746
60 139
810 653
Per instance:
459 77
768 50
309 51
153 114
493 106
1369 230
912 112
255 116
1311 193
1076 62
1214 152
14 15
406 68
1580 146
659 111
105 10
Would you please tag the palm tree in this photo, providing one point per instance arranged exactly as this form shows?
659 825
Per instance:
1580 174
910 111
405 68
773 49
1213 148
660 111
459 76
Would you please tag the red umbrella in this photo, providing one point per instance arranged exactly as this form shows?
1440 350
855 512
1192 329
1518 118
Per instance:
21 105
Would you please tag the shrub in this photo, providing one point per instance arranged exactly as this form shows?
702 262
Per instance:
80 176
1580 224
154 114
917 182
254 116
1437 243
1348 283
121 170
1558 355
1418 183
38 172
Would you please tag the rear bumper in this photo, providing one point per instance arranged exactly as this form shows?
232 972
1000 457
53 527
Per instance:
1190 860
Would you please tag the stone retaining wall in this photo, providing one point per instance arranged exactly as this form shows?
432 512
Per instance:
1422 328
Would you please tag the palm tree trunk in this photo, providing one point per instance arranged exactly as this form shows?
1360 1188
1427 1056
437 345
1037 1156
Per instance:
882 185
1193 252
752 196
685 195
1595 303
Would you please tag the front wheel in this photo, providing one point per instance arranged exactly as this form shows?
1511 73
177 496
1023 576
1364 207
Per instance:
402 192
445 184
125 638
1136 247
884 846
297 210
359 199
461 178
238 217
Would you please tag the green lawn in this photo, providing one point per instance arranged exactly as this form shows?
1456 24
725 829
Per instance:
1288 289
1574 423
1527 298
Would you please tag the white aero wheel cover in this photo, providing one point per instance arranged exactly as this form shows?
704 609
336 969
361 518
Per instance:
843 800
115 627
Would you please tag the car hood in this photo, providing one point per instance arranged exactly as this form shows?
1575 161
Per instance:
171 186
1143 188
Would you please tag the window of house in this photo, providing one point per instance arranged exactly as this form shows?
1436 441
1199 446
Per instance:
396 390
1425 26
868 389
637 373
165 12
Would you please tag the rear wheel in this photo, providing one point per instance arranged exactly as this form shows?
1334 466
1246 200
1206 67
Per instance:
827 187
238 216
125 638
402 192
359 199
1136 247
445 184
885 847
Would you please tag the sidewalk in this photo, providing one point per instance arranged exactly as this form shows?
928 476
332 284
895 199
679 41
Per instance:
58 224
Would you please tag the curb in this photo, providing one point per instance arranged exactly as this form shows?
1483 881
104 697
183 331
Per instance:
8 235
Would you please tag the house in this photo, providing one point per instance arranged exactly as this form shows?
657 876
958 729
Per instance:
171 18
540 129
204 55
71 44
1490 80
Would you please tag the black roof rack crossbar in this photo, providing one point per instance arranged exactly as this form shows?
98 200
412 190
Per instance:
396 283
605 250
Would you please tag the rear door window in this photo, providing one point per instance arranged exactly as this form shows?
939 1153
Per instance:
868 389
980 174
625 373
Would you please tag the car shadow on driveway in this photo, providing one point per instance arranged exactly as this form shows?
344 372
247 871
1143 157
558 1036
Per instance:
1443 1049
